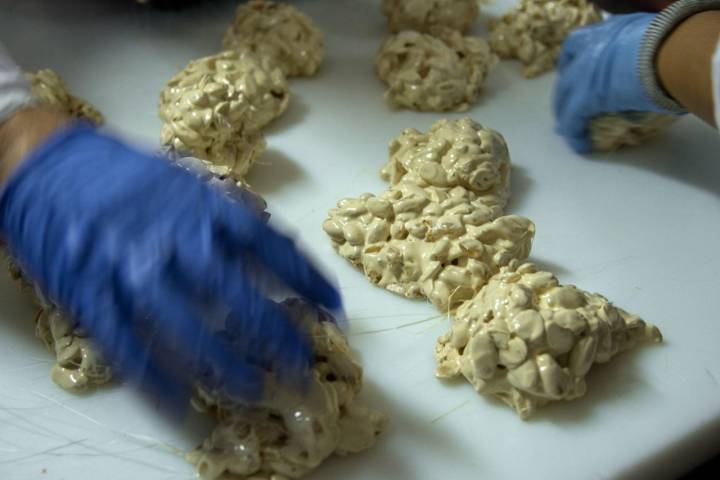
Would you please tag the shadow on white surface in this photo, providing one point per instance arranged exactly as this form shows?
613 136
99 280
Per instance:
680 153
520 186
273 171
549 266
18 311
390 458
498 80
693 448
609 383
296 111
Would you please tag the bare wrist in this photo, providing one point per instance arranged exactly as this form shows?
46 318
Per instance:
657 37
684 61
22 132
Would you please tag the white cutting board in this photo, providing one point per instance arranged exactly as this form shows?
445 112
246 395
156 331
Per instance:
641 227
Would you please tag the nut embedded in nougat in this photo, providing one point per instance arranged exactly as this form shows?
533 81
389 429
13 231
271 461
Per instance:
613 131
278 32
440 72
452 153
49 89
288 434
426 15
78 364
440 243
534 31
527 340
210 111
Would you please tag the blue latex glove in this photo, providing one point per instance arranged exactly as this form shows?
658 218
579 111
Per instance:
597 74
134 248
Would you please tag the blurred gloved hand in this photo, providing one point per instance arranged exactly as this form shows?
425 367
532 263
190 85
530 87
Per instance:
598 73
133 248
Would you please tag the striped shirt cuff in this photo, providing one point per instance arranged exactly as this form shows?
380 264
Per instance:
14 89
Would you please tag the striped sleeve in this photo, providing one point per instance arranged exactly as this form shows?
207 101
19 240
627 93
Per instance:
14 89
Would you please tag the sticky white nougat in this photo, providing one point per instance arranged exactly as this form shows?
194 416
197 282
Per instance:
534 31
444 71
613 131
426 15
49 89
278 32
528 340
439 243
213 107
453 153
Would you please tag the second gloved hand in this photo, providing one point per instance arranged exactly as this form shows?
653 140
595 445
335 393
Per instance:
598 73
134 248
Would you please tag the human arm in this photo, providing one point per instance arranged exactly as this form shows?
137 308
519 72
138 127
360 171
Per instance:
22 131
23 125
137 250
636 62
684 63
134 249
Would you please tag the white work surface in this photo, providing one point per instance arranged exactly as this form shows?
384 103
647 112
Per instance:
641 227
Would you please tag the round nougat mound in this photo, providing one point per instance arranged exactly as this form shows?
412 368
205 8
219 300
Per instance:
212 109
453 153
49 89
278 32
534 31
611 132
425 15
79 366
256 83
433 72
528 340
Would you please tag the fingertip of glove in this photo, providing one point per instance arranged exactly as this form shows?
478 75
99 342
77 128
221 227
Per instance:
578 142
329 297
281 255
581 145
165 390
